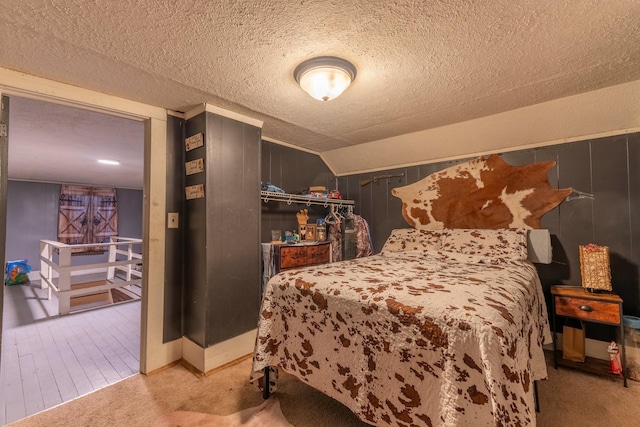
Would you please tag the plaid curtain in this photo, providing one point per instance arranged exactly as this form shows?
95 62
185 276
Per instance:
87 215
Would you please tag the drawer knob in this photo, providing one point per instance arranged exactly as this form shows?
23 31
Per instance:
585 308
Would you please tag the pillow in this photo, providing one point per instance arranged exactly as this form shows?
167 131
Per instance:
507 243
410 239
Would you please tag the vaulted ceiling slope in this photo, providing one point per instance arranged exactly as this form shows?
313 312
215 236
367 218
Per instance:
421 64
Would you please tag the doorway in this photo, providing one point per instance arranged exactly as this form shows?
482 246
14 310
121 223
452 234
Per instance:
49 359
155 351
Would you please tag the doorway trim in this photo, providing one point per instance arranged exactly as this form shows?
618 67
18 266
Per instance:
154 354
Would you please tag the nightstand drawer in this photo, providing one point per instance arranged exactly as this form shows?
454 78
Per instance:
318 254
292 256
300 255
588 309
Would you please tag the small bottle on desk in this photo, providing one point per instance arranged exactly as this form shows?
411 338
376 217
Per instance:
321 230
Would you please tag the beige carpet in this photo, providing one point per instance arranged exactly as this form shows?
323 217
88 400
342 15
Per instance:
569 398
268 414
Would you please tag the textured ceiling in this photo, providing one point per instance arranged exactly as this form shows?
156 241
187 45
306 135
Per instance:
421 64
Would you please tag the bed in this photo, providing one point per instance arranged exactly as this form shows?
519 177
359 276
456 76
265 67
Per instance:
442 327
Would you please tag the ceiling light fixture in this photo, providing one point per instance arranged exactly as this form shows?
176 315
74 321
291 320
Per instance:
325 77
108 162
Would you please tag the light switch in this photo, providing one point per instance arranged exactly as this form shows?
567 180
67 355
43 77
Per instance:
172 220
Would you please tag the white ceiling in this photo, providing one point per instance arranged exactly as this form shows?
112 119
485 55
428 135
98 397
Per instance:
421 64
56 143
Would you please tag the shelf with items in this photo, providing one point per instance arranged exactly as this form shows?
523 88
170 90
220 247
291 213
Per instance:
267 196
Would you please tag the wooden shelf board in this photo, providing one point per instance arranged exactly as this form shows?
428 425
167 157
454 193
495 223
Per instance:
590 365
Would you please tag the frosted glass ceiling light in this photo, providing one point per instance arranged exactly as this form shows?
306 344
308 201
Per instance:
325 77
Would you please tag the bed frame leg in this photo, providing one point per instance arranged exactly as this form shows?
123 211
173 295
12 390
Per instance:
265 389
535 395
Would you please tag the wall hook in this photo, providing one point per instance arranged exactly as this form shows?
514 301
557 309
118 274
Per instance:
377 178
577 194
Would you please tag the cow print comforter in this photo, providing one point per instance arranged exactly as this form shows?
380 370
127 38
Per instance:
412 339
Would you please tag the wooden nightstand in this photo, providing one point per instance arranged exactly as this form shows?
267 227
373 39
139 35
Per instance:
578 303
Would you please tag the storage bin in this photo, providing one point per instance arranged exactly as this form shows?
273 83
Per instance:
632 346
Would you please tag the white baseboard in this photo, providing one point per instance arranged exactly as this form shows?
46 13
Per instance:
193 354
206 359
229 350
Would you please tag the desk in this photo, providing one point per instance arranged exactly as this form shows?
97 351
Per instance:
578 303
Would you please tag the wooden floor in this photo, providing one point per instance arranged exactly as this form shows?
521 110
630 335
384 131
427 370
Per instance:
49 359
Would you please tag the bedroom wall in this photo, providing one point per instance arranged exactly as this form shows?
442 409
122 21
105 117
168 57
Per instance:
174 237
609 168
291 170
222 257
32 215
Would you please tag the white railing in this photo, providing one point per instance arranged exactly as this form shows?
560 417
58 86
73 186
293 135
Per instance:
119 260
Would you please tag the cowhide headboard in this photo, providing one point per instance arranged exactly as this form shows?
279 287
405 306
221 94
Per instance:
481 193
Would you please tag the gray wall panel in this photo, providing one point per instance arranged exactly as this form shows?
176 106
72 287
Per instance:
519 158
174 237
426 170
632 295
222 278
195 290
354 192
130 204
412 174
233 233
576 216
611 212
366 206
611 193
551 273
383 203
278 155
394 204
32 215
551 220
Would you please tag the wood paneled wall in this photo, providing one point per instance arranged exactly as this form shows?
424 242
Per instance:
174 237
222 254
291 170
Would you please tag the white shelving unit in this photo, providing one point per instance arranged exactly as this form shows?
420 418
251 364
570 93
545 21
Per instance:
267 196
